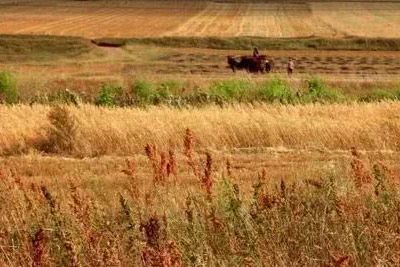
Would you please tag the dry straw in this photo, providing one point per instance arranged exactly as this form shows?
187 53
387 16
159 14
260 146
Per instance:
123 131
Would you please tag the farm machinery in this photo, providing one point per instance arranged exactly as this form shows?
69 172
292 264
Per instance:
252 64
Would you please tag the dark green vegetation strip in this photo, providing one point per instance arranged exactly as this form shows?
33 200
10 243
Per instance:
178 94
245 43
32 46
14 47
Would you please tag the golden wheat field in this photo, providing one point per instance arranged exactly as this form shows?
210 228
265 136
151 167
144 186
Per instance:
201 18
102 131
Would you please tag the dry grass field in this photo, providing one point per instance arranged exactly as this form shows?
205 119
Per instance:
120 131
211 196
201 18
153 153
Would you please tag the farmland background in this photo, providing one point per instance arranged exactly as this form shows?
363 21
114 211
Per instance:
126 140
202 18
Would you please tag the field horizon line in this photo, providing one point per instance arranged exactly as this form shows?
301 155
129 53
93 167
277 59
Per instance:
349 43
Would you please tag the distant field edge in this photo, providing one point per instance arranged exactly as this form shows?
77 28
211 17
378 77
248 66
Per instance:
245 43
70 44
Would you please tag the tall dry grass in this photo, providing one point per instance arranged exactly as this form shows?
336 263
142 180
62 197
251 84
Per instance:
125 131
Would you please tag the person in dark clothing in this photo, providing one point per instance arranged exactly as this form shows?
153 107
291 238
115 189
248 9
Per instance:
255 52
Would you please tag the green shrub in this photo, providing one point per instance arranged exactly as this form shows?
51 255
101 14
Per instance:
163 93
67 97
276 90
318 91
143 91
169 87
228 198
231 89
380 95
110 95
8 88
397 94
202 98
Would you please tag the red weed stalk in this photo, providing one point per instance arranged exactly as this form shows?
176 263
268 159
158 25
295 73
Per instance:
59 231
151 229
189 210
228 168
262 177
162 168
130 168
340 260
157 252
38 248
189 142
152 155
360 172
164 164
171 166
151 152
206 180
394 178
132 183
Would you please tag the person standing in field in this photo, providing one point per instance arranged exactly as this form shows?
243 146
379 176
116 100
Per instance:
255 52
290 66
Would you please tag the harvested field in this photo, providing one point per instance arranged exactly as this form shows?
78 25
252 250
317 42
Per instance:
146 60
360 19
140 19
250 19
45 72
186 18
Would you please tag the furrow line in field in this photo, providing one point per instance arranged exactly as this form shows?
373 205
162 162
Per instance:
50 25
210 28
242 19
192 25
266 25
42 28
62 28
229 23
278 15
91 21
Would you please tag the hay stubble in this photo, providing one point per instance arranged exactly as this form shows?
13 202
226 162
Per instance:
222 19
